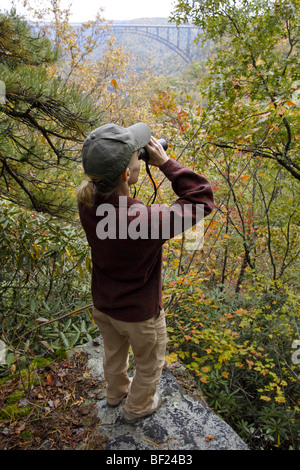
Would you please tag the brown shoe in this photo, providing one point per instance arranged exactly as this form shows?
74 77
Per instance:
131 418
114 405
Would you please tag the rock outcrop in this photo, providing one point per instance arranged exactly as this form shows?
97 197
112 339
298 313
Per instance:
181 423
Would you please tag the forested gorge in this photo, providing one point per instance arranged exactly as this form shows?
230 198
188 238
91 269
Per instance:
232 305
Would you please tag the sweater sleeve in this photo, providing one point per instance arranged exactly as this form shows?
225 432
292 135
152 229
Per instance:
195 201
191 187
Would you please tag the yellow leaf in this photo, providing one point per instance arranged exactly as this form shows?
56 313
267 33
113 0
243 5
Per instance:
263 397
280 399
171 358
91 316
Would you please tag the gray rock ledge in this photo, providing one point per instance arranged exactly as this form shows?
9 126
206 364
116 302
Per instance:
181 423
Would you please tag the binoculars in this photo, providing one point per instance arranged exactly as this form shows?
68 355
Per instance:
144 155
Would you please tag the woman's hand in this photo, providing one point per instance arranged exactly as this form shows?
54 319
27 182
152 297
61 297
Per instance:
156 153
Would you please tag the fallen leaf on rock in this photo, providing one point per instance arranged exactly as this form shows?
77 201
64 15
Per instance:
49 379
20 428
56 403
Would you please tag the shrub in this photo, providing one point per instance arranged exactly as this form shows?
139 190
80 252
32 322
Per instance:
45 272
239 347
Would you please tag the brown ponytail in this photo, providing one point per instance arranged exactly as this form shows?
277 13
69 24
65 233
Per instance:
93 186
85 192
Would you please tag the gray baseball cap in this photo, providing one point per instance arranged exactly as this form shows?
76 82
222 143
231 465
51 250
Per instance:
108 149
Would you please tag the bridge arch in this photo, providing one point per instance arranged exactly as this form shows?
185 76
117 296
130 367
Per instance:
161 33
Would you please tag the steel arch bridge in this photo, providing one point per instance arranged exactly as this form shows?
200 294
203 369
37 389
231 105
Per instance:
177 38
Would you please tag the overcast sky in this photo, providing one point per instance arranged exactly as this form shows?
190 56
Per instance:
84 10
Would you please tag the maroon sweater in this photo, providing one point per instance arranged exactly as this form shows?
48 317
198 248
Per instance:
126 276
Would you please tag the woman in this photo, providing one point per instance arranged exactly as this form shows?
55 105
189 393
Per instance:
126 277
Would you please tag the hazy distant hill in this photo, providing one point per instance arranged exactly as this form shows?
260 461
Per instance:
148 51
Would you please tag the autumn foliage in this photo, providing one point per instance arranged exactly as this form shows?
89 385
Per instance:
232 305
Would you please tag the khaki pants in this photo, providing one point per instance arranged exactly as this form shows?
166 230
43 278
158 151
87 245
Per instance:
148 342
